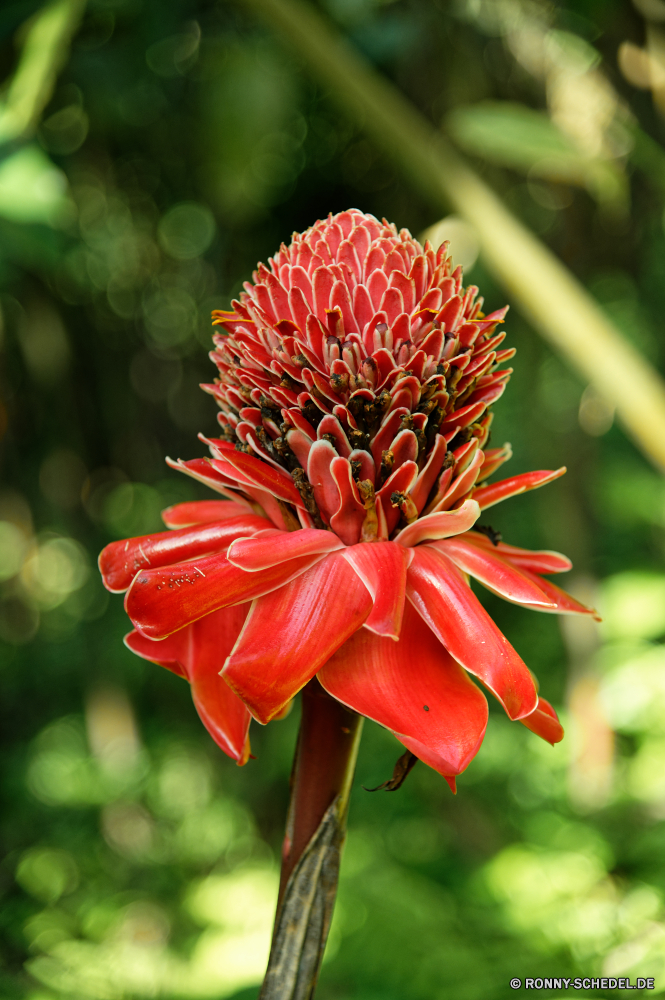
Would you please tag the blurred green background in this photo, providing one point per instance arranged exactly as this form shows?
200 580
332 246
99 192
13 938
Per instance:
177 145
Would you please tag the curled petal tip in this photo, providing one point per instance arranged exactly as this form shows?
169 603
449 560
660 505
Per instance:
245 755
442 524
544 722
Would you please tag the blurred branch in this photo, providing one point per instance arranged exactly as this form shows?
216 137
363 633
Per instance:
45 49
556 303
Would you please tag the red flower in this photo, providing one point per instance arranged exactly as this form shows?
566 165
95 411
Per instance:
355 379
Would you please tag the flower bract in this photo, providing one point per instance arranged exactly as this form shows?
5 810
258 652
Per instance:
355 380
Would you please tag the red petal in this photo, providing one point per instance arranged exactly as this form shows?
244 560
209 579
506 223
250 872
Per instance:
448 605
414 688
161 601
462 484
347 522
299 444
264 551
382 568
425 481
119 562
463 417
400 481
290 634
544 722
326 494
183 515
197 653
271 506
404 448
440 525
542 561
563 603
494 572
331 425
265 476
170 653
221 710
487 496
201 470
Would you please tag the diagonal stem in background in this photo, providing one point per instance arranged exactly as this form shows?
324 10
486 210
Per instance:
555 302
45 49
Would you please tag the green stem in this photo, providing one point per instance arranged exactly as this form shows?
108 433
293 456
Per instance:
321 780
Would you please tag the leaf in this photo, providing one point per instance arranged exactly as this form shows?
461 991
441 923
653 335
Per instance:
32 188
513 135
303 921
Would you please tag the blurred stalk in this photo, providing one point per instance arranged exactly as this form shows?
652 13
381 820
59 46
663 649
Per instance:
323 768
45 47
555 302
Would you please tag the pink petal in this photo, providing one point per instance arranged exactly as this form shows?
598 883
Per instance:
392 303
487 496
299 306
367 468
322 284
404 448
440 525
376 285
290 634
198 653
542 561
462 484
362 306
423 485
162 601
183 515
382 568
299 444
463 417
119 562
341 299
448 605
544 722
331 425
493 572
347 522
386 433
415 689
259 553
326 494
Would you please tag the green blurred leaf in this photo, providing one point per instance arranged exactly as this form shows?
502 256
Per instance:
513 135
32 189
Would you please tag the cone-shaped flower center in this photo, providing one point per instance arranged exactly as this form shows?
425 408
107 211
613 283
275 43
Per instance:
360 369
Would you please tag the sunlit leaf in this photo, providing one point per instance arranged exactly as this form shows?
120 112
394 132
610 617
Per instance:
32 188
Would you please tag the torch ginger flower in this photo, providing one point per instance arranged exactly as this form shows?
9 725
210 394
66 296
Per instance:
355 380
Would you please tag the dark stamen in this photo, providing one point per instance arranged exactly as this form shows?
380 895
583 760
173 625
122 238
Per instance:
485 529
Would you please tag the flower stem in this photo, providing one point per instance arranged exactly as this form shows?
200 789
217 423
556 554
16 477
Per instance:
321 779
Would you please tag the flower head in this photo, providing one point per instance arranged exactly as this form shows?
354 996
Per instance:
355 380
